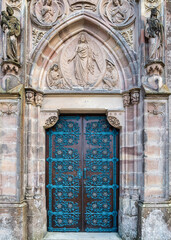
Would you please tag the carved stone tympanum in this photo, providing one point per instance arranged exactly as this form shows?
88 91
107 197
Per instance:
46 12
119 13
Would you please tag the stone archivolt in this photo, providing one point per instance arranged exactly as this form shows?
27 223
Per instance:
119 13
46 13
82 66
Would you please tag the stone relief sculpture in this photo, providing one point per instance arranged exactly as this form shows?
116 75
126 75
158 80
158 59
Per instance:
83 4
83 65
154 32
11 31
46 12
55 79
119 13
84 61
111 76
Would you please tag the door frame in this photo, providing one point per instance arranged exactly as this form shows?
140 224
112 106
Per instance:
112 121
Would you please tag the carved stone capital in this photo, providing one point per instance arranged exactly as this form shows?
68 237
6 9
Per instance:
50 122
30 97
135 96
39 99
126 99
9 67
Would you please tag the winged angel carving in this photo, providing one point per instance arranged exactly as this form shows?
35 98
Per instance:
119 13
47 12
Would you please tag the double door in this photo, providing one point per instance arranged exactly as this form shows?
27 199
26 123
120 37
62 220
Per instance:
82 175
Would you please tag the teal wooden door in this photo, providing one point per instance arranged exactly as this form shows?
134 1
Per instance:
82 175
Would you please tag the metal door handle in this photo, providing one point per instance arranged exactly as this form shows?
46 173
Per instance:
85 173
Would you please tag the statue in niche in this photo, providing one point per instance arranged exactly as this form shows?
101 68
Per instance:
48 11
111 77
55 79
11 28
154 32
119 11
84 62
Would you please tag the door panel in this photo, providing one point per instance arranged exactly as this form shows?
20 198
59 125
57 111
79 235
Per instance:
100 181
81 181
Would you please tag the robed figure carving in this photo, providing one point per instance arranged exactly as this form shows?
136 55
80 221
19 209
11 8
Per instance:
84 62
11 29
154 32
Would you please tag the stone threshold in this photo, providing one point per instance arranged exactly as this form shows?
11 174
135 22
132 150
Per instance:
82 236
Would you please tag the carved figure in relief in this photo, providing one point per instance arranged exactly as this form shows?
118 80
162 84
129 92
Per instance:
119 11
154 32
84 61
55 79
111 77
47 11
11 28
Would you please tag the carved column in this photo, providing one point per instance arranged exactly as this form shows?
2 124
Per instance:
38 102
30 98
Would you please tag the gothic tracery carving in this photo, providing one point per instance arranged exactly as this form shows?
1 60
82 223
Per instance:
46 12
119 13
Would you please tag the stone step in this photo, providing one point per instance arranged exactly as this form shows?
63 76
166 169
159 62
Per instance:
82 236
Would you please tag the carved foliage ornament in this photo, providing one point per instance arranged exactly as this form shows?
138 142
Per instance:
46 13
50 122
119 13
114 122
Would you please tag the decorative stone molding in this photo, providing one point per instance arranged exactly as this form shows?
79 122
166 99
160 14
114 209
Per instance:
126 99
83 4
39 99
30 96
113 120
50 122
128 35
155 68
9 67
135 96
37 35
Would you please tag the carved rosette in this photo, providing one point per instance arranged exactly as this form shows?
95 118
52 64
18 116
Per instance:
113 121
30 97
50 122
